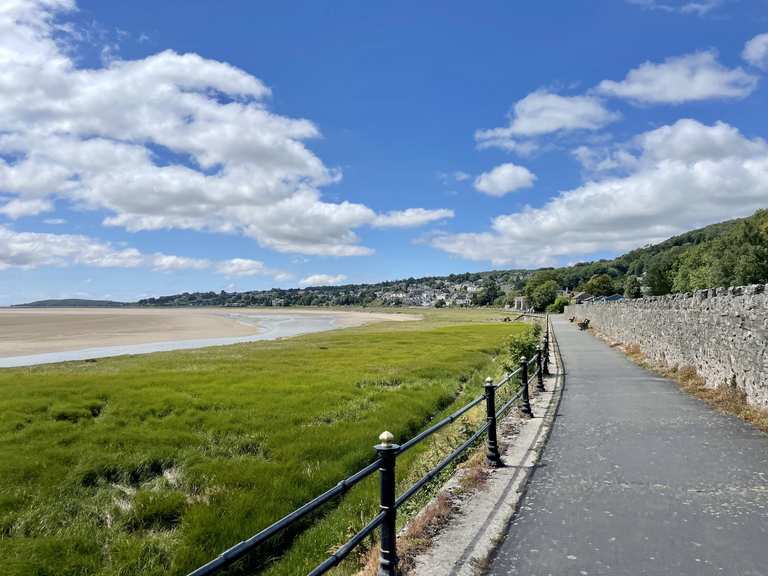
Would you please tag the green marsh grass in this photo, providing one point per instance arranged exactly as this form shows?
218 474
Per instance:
149 465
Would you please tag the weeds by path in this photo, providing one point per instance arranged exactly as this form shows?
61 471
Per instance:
724 398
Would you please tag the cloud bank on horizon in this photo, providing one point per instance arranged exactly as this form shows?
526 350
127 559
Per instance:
181 143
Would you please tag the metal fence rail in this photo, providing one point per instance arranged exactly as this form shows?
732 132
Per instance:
386 462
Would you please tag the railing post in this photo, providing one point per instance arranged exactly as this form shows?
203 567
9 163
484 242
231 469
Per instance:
388 548
539 369
545 359
492 453
525 408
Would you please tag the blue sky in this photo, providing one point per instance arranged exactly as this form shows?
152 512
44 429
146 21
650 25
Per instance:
149 148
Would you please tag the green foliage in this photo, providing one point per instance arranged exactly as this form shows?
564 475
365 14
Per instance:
632 288
599 285
558 306
730 253
519 345
541 277
489 293
440 304
544 295
738 257
154 464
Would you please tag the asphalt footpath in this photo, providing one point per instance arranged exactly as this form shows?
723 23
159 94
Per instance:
639 478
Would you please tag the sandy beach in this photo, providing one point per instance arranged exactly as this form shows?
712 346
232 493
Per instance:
31 331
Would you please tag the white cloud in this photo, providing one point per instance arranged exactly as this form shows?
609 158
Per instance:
18 207
29 250
455 176
243 267
756 51
679 177
167 262
168 141
411 217
322 280
32 250
700 8
504 179
544 112
697 76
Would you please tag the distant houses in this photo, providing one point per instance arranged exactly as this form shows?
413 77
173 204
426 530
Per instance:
454 290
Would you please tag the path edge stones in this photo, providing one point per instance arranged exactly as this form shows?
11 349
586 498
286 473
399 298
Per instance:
467 544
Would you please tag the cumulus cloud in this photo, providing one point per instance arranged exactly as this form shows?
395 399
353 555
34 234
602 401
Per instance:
665 181
171 141
322 280
32 250
167 263
756 51
29 250
243 267
411 217
697 76
18 207
543 112
504 179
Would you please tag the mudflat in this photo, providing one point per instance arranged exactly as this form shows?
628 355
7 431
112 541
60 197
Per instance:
27 331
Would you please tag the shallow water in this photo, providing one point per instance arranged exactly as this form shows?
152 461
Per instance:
270 326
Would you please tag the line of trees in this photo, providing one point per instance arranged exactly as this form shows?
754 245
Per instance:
731 253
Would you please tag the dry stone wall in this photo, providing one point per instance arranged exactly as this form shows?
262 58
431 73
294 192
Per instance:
721 332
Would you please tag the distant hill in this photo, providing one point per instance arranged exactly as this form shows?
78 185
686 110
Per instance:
730 253
71 303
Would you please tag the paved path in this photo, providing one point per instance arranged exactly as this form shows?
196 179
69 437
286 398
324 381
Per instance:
639 478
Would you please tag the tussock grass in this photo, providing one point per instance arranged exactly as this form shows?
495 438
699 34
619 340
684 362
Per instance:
153 464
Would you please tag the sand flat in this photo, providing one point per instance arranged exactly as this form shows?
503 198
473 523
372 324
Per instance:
30 331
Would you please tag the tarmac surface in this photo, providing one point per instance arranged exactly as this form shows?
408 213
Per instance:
639 478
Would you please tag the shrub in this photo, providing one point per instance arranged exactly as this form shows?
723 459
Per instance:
544 295
520 345
558 305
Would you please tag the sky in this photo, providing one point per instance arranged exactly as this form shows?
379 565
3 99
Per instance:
151 148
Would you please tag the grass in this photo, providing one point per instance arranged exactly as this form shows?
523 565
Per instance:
153 464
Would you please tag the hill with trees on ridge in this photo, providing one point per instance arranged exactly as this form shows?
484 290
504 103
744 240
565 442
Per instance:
731 253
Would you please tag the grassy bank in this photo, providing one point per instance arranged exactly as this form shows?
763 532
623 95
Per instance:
153 464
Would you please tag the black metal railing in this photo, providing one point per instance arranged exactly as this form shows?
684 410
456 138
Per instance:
386 463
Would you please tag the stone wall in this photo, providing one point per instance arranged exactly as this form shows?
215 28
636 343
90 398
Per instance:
722 333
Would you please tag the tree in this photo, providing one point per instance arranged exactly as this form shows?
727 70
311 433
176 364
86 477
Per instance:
488 294
632 288
558 306
601 285
440 303
541 277
544 295
657 279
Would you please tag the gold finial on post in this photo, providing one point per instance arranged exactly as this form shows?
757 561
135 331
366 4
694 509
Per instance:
386 438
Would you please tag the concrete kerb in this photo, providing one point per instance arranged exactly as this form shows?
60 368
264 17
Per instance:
466 545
